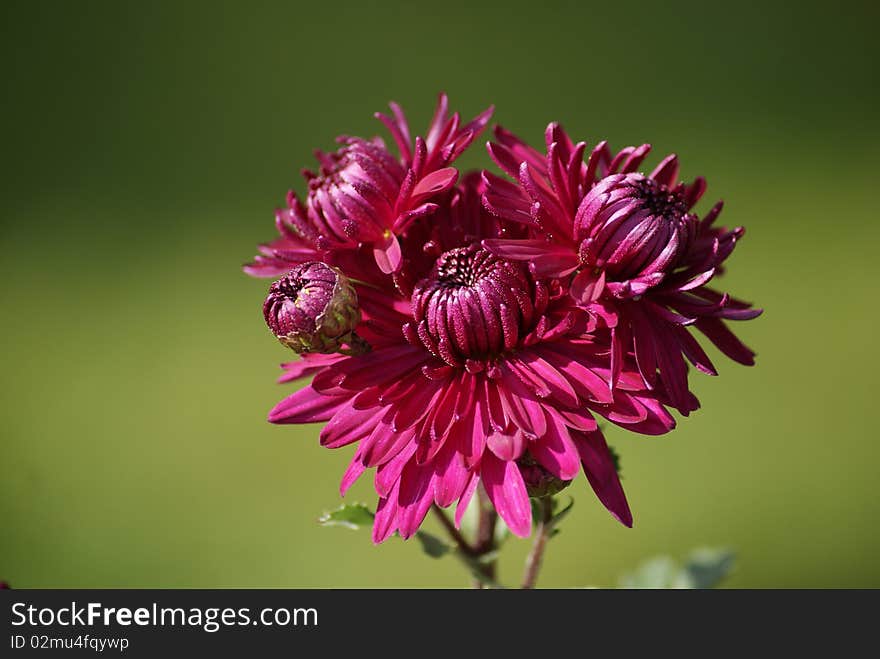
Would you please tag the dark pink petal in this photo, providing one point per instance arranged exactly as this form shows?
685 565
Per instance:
415 498
520 405
438 120
466 497
667 171
519 250
374 368
388 475
451 478
545 259
349 425
698 280
307 365
587 285
384 444
556 451
586 382
507 446
306 406
657 420
510 209
492 408
533 368
626 409
695 191
578 420
725 340
507 491
415 407
354 471
471 436
599 468
519 150
388 255
399 130
385 522
694 352
435 183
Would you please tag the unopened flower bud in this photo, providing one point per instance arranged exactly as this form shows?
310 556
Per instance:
539 482
313 308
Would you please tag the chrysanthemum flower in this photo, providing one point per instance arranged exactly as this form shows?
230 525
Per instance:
363 195
629 246
467 333
482 375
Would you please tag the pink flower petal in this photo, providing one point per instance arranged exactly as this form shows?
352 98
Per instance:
434 183
306 406
599 468
507 491
388 256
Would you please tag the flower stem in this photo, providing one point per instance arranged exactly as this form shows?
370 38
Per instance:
485 540
542 535
459 540
474 554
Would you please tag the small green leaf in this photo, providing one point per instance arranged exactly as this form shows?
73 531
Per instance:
351 516
615 458
660 572
560 515
432 545
706 567
537 513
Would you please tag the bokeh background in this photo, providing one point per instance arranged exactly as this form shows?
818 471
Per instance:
145 146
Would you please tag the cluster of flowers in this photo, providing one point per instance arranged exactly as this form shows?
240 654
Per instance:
467 330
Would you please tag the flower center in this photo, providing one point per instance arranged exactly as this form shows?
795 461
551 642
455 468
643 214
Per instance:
472 306
660 200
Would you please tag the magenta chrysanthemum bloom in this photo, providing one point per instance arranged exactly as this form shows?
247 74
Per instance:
628 246
364 196
478 373
467 332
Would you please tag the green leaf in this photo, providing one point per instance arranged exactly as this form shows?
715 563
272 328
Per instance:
707 567
659 572
615 458
351 516
432 545
560 515
536 511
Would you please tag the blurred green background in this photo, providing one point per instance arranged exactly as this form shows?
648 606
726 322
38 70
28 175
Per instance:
145 146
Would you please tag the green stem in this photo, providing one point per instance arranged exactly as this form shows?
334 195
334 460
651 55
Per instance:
474 554
485 540
542 535
459 540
